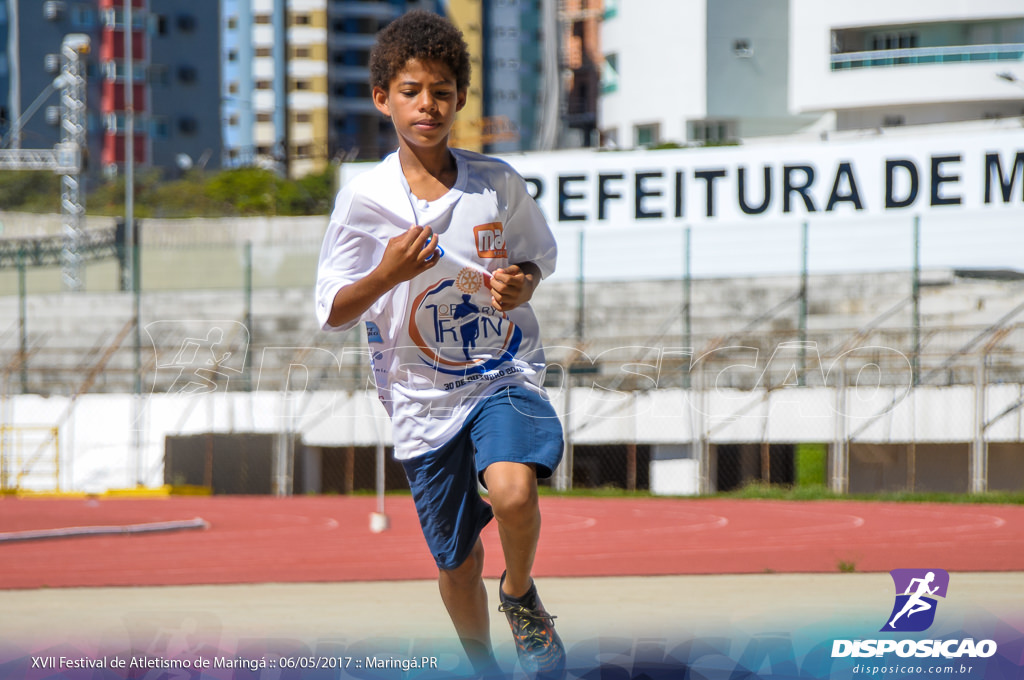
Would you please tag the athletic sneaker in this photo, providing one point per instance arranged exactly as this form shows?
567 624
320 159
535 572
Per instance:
540 650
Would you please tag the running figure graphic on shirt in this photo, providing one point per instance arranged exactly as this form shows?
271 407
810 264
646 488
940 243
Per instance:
916 603
469 330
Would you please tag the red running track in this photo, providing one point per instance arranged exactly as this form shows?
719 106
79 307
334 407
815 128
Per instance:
311 539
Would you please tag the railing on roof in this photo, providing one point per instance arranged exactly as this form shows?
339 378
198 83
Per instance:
844 61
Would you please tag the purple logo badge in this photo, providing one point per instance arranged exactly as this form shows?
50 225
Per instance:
916 590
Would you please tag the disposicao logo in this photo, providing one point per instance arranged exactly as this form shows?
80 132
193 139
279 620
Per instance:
916 590
912 612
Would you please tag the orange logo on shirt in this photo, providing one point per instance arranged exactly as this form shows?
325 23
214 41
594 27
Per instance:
490 240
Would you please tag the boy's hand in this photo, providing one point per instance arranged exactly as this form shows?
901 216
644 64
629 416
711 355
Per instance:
513 285
408 254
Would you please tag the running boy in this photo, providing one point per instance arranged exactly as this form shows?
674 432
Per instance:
438 251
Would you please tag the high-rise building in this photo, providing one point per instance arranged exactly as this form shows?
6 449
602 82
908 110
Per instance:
237 84
714 71
582 59
307 119
174 80
470 131
513 82
184 81
884 64
356 129
704 71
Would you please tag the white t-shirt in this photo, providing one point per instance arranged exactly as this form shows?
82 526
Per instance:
437 345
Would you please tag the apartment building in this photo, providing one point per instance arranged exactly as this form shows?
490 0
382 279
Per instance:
175 92
715 72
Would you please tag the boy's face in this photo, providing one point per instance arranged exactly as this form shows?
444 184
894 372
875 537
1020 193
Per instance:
421 101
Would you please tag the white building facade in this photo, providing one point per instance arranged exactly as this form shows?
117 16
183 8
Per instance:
883 64
712 72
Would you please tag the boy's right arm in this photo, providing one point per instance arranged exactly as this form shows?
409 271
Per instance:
404 257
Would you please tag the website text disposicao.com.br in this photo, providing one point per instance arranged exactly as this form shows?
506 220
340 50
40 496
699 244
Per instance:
903 670
958 657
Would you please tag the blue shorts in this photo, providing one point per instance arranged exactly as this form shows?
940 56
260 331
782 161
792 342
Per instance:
514 424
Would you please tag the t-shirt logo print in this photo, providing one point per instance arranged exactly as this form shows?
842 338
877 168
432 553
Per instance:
490 240
914 609
457 335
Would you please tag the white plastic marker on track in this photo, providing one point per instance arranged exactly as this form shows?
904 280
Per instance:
65 532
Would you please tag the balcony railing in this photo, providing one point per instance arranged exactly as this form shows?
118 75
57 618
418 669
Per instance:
927 55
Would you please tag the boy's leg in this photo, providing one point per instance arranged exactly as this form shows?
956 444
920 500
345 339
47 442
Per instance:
465 597
512 490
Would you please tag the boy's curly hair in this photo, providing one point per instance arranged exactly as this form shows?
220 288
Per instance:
422 35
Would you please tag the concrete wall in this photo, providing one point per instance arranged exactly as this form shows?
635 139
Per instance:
97 437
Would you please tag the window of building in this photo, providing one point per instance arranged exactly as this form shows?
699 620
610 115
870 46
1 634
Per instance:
611 8
893 40
610 73
232 23
264 51
186 23
187 74
301 20
114 70
646 135
712 131
303 150
303 117
232 55
302 53
187 125
264 85
262 19
303 85
83 16
113 17
894 120
53 10
159 128
264 117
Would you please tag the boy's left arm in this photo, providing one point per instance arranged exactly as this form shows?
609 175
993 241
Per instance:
513 285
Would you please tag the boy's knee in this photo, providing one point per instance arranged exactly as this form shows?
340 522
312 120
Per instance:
513 500
470 571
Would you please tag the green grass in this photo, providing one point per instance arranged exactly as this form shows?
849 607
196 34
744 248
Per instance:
816 492
811 464
812 492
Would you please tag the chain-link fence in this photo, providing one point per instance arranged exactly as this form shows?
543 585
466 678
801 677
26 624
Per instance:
901 379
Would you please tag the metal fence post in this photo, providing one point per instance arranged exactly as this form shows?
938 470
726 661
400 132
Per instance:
802 323
247 361
915 294
979 447
22 322
687 298
840 481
